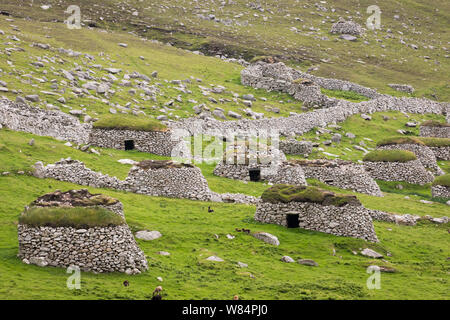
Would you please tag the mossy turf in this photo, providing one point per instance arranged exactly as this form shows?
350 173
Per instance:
400 140
435 142
390 156
434 123
286 193
75 217
443 180
126 122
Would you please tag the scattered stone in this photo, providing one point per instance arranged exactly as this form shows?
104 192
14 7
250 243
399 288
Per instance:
214 258
267 237
308 262
371 253
287 259
148 235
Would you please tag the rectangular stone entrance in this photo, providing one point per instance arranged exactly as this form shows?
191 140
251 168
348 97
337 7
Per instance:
292 220
255 174
129 145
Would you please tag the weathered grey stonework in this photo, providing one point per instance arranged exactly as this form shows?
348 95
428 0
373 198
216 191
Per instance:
341 174
440 191
441 153
424 154
438 132
402 87
156 142
183 182
56 124
283 173
97 249
348 221
410 171
295 147
347 27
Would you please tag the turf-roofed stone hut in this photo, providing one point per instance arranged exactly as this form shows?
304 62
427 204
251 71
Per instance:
433 128
77 228
295 147
423 153
439 146
133 133
340 173
315 209
441 187
264 164
396 165
168 179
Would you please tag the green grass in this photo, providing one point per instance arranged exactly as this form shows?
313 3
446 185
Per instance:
347 95
287 193
400 140
390 156
383 125
435 142
418 253
442 180
76 217
124 122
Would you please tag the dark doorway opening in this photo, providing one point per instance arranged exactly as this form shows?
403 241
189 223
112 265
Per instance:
129 145
292 220
255 174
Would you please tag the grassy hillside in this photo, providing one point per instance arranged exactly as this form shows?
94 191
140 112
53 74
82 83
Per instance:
419 254
248 29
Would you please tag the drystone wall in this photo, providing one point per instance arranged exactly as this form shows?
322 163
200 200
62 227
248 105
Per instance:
410 171
56 124
185 182
341 174
299 124
156 142
438 132
424 154
283 173
441 153
100 249
348 221
76 172
440 191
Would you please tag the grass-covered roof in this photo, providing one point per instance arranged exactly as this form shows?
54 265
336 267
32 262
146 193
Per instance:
390 156
286 193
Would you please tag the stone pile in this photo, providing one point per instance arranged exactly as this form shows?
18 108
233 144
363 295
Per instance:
439 191
96 249
423 153
435 131
347 27
341 174
349 221
402 87
411 171
295 147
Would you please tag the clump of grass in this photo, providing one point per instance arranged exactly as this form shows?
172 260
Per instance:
390 156
75 217
434 123
347 95
127 122
287 193
268 59
400 140
161 164
435 142
442 180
